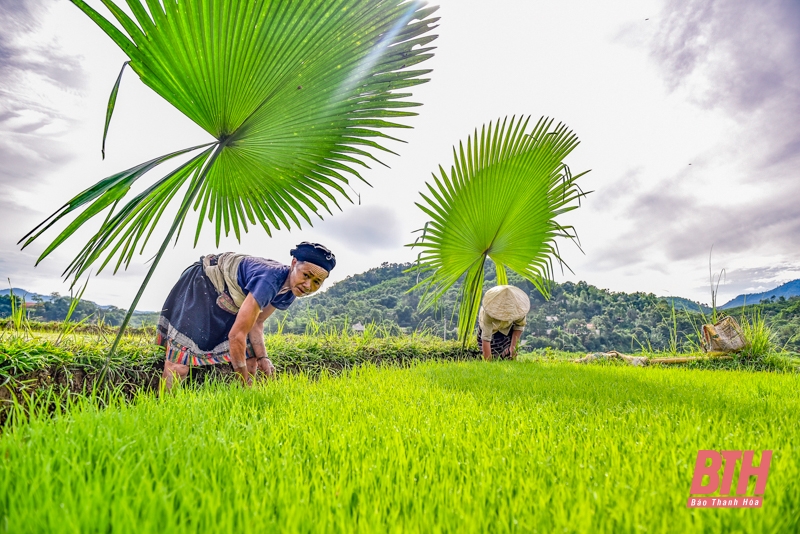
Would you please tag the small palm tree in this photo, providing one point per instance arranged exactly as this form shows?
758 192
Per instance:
500 201
295 93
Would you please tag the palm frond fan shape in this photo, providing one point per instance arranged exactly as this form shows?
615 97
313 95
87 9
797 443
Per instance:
505 189
296 94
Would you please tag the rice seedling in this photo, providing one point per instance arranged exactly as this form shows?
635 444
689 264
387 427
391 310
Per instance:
438 447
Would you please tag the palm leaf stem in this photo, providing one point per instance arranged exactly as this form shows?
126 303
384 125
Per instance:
502 276
195 187
506 186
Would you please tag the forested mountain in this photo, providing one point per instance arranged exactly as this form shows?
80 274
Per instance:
379 295
578 316
681 303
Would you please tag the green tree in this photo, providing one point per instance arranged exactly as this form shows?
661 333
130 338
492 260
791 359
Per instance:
57 307
500 201
5 304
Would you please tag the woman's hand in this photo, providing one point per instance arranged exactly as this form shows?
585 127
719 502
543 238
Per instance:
256 337
266 367
245 319
512 350
486 349
243 372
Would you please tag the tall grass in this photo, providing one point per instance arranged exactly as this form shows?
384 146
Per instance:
758 336
459 447
673 331
68 326
19 313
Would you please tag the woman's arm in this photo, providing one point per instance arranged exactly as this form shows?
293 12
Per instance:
515 335
256 336
245 320
486 348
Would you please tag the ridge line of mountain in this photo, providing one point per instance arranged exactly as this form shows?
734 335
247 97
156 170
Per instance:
786 290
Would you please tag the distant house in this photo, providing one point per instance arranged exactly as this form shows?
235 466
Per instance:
33 306
358 328
551 318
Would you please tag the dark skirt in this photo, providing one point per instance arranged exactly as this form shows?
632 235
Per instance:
193 328
500 342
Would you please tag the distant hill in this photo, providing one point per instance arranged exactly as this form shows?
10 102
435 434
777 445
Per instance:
30 296
19 292
54 307
577 317
787 290
681 304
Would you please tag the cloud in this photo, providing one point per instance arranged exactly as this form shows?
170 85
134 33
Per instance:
364 228
13 263
33 68
616 193
25 156
739 60
748 51
671 227
35 75
743 281
20 56
740 57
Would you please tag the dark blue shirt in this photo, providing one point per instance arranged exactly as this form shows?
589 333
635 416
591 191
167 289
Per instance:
264 279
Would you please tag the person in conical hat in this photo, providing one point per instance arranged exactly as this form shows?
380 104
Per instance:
501 321
215 313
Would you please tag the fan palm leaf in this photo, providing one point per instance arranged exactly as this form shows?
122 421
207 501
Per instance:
505 189
296 94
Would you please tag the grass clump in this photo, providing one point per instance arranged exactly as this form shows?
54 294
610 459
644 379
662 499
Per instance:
760 352
21 356
334 351
331 351
758 336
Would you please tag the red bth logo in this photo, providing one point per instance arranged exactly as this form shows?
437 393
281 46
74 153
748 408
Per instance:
709 464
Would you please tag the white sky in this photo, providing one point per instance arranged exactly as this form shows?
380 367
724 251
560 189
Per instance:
687 121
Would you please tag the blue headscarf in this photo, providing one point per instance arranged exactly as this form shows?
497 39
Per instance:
316 254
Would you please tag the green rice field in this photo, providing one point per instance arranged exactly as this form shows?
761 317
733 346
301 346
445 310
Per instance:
438 447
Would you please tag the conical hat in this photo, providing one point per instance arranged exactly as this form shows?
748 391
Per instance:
506 303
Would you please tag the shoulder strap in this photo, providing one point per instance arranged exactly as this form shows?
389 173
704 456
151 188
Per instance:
225 274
